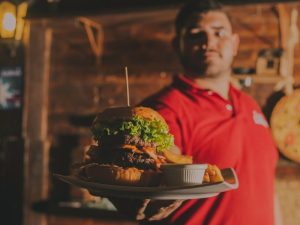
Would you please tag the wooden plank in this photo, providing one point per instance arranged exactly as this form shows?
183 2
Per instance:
63 8
289 38
38 45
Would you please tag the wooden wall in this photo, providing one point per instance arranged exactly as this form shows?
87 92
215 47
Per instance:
79 88
141 41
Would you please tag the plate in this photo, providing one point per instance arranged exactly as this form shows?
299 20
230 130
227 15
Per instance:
162 192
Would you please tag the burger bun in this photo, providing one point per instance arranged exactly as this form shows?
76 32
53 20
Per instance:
115 175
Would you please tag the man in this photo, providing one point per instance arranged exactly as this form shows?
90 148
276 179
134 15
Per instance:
216 123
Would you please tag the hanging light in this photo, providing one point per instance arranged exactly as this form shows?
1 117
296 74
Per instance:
12 20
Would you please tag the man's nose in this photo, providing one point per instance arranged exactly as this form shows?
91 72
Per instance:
209 42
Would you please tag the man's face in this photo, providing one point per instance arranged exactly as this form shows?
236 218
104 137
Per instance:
207 45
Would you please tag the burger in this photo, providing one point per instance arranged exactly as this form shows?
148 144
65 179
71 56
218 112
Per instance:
131 144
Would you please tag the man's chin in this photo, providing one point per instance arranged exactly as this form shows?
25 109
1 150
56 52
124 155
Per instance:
213 69
212 72
208 71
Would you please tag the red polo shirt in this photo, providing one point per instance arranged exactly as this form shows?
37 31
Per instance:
229 134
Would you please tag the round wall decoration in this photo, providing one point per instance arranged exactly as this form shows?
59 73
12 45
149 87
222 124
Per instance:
285 125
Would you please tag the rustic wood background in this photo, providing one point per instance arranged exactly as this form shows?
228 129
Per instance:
79 87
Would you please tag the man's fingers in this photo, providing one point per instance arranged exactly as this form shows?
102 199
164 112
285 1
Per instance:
146 209
164 212
140 213
132 208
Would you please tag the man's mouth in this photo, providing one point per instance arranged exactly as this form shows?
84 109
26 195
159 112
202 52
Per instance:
211 54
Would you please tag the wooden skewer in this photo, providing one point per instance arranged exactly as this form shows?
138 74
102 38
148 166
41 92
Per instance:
127 86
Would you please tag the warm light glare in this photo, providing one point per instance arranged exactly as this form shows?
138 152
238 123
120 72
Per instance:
12 19
21 13
9 22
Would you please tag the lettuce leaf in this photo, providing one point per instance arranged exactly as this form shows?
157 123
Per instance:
151 131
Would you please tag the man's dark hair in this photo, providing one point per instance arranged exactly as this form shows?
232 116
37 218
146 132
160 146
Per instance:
193 8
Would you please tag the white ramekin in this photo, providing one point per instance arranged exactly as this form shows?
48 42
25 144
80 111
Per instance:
183 174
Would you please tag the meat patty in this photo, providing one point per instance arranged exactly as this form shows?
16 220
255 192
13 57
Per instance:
122 157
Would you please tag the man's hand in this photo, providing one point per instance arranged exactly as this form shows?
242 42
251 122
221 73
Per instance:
157 210
151 210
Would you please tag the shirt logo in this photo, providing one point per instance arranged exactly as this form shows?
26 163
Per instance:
259 119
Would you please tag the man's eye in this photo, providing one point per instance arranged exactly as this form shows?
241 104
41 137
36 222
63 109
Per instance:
221 33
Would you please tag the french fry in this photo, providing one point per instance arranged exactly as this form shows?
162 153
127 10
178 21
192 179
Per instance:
177 158
212 174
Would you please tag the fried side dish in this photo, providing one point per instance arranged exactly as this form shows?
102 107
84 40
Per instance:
172 157
212 174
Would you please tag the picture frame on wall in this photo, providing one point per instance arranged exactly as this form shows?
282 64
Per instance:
11 87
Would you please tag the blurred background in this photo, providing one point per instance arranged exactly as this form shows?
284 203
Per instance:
62 61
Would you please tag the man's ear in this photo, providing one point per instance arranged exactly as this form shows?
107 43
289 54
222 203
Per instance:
236 43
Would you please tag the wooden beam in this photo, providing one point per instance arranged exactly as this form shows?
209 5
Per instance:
283 24
289 36
63 8
95 36
38 45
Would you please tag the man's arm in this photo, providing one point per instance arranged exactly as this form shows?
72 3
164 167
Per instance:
148 210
